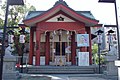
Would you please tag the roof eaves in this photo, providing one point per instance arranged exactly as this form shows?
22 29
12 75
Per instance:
60 2
86 14
35 13
64 4
82 14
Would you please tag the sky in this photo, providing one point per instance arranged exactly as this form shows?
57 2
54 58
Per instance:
104 12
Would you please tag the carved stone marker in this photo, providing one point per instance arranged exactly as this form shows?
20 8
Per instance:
9 61
110 58
9 50
9 72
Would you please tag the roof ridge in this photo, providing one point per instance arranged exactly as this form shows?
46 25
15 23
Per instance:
60 2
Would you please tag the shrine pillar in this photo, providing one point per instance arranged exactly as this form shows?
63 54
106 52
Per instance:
37 56
47 48
73 49
90 45
31 46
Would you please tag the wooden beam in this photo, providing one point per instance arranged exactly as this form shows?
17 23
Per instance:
110 25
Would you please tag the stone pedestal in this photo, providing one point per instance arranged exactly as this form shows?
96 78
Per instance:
117 63
111 68
9 72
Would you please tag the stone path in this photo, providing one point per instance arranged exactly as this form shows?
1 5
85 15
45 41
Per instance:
66 77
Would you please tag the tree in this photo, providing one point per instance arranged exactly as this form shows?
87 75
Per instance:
1 22
16 13
95 55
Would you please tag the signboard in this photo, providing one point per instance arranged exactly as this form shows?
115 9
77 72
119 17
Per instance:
83 58
82 40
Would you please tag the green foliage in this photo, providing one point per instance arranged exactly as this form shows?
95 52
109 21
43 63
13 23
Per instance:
95 48
95 55
1 23
16 13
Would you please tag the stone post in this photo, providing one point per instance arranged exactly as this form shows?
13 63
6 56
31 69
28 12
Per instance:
110 58
117 63
111 68
9 72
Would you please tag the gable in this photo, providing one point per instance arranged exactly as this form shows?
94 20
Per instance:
60 18
47 14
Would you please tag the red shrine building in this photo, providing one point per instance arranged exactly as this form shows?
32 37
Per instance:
54 35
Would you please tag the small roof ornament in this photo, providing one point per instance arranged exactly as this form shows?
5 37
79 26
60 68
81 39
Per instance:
60 0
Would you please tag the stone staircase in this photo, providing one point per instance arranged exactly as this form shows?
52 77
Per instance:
61 70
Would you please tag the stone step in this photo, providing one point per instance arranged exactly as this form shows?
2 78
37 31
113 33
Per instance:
61 69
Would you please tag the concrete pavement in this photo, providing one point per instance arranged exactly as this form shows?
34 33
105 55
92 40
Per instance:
67 77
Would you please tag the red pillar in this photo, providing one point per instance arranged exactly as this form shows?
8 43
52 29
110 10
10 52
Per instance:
90 46
47 47
73 49
31 46
37 56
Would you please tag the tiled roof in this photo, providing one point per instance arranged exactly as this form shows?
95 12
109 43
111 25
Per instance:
86 14
32 14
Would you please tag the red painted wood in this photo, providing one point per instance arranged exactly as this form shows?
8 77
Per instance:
37 56
31 47
73 49
90 43
57 9
47 47
71 26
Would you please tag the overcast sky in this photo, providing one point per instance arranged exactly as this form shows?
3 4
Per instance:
101 11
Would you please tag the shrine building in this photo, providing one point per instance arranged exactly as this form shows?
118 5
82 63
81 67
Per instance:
55 35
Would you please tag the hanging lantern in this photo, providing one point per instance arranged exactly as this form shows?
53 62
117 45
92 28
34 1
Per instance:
110 36
54 32
51 36
99 38
60 32
53 50
22 38
69 37
46 32
11 38
110 39
67 32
